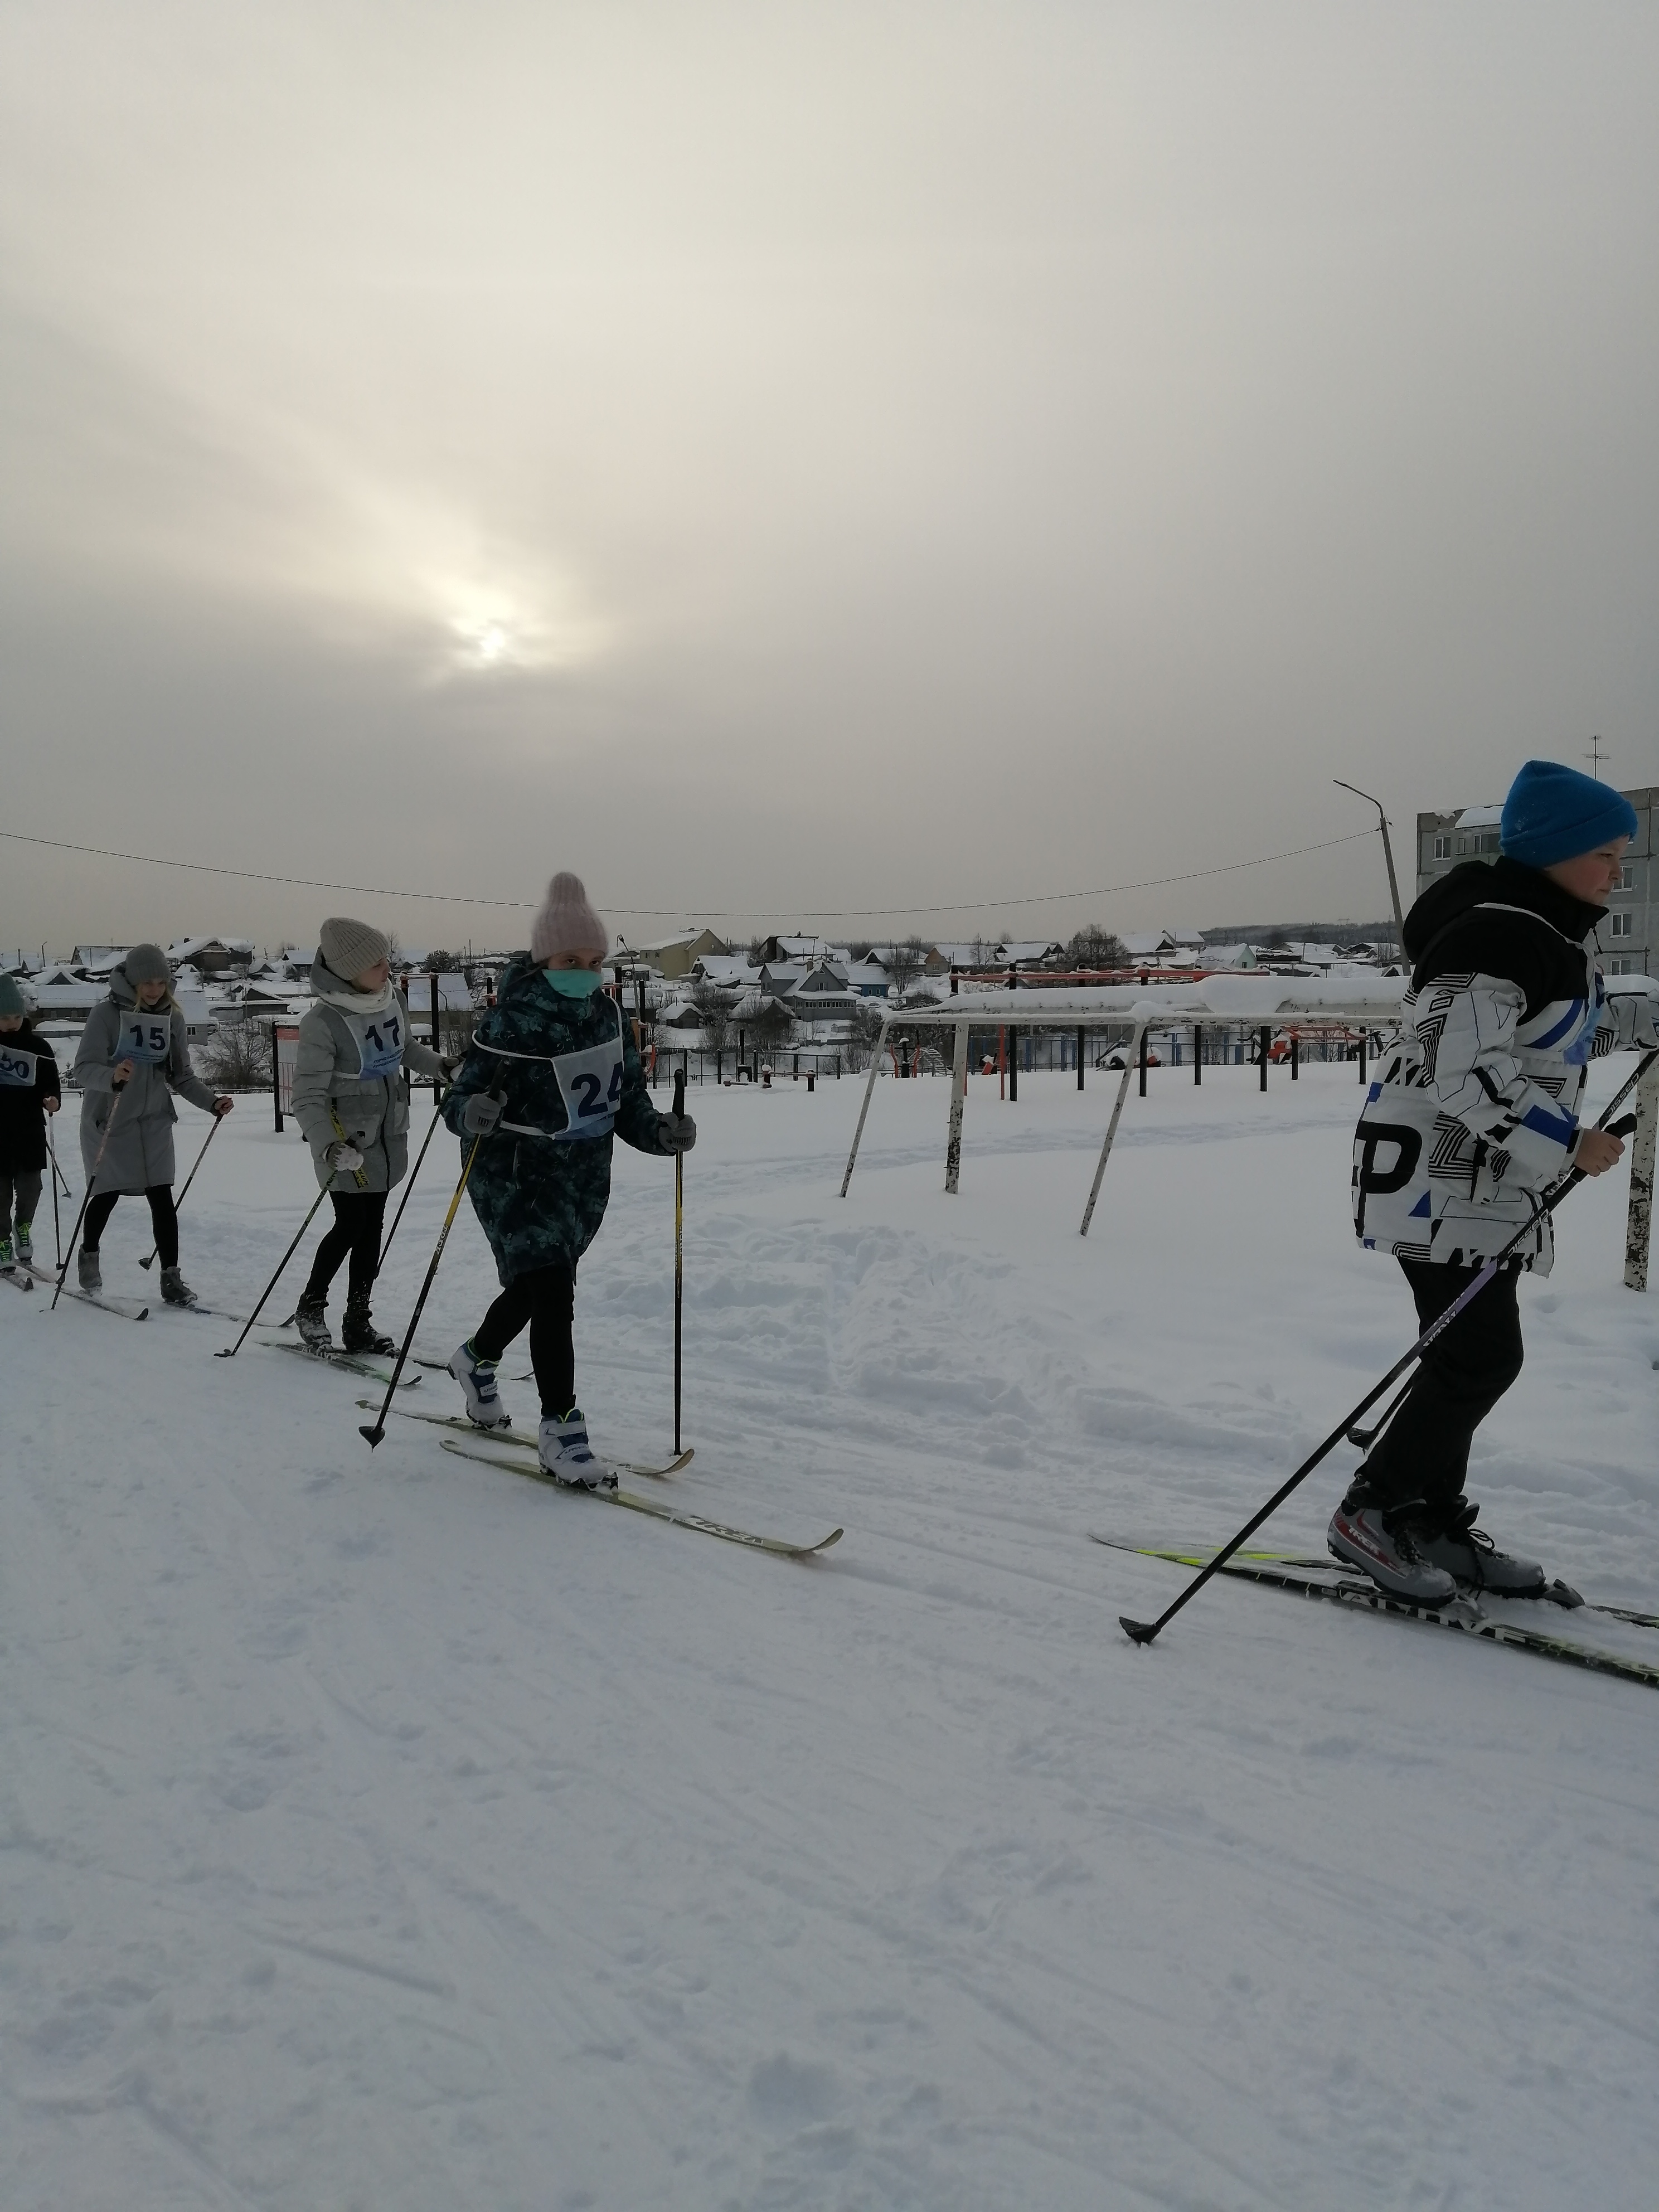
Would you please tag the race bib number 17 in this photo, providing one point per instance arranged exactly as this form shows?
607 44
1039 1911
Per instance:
380 1042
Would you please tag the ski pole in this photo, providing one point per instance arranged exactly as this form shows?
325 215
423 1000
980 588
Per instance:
231 1351
376 1429
190 1177
56 1177
1143 1631
86 1200
680 1250
431 1133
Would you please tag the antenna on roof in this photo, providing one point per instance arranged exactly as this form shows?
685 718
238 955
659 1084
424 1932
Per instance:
1596 756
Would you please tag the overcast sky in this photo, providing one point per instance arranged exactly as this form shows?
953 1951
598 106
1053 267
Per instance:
804 459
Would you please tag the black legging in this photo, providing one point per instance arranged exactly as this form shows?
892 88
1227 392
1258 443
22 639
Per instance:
359 1217
546 1298
1425 1450
163 1219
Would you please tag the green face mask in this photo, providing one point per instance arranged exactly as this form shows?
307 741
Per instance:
573 982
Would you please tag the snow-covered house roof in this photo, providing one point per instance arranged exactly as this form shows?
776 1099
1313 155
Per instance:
727 971
1146 944
210 954
18 962
1480 818
99 959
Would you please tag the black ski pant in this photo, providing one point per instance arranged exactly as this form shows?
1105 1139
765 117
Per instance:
359 1218
1425 1450
546 1298
26 1183
163 1220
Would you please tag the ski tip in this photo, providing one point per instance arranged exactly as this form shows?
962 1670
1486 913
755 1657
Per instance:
373 1430
1137 1631
1560 1593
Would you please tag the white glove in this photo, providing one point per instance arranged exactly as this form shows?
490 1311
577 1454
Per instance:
344 1159
676 1133
480 1114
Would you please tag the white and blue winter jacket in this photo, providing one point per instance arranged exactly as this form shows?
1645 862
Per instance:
1475 1110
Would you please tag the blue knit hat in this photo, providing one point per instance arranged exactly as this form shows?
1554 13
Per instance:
11 999
1554 813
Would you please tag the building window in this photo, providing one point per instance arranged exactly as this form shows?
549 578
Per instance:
1443 848
1625 967
1627 877
1487 841
1618 925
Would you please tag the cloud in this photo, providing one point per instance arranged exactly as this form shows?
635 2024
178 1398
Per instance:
819 455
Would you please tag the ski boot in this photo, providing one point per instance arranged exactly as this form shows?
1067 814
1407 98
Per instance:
175 1290
87 1273
311 1318
357 1331
1452 1541
1379 1542
9 1259
563 1448
25 1242
476 1377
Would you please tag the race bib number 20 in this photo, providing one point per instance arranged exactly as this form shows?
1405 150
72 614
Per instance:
16 1068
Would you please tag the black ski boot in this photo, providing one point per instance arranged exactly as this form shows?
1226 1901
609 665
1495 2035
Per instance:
311 1318
175 1290
357 1330
87 1273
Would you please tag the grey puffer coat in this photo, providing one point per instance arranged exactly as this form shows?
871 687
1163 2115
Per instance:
353 1066
139 1153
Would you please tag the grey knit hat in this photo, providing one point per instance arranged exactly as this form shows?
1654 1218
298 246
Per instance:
11 999
349 947
147 964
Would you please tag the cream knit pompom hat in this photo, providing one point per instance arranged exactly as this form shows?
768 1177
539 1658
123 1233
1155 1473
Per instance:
566 922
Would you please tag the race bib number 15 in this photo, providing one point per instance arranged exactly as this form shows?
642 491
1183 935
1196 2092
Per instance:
144 1038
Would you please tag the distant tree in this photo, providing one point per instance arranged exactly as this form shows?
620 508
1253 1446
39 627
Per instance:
904 963
1095 947
441 963
756 950
770 1027
863 1028
236 1057
714 1010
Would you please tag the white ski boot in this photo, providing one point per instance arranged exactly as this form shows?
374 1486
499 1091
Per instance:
564 1452
1379 1542
1469 1553
476 1377
87 1273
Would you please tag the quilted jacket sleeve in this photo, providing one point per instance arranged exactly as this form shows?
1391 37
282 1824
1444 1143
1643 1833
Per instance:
1467 1026
1630 1014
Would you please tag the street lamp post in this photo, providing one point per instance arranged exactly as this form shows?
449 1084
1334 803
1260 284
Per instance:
1387 855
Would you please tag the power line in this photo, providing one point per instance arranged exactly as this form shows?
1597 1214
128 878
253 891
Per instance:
675 914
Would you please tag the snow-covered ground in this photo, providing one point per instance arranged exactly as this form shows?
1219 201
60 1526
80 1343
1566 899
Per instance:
381 1831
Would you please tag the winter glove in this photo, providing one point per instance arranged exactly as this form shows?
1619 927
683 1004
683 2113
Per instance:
676 1134
480 1114
344 1158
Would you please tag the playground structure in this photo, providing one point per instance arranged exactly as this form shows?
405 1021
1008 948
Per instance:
1355 1001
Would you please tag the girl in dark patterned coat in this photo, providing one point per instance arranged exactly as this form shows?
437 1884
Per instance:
552 1074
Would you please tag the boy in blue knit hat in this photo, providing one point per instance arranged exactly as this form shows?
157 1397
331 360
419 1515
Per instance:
1474 1116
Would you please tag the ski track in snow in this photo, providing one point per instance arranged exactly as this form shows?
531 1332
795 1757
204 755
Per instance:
383 1830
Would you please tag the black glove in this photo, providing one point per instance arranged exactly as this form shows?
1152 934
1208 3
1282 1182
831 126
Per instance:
676 1133
480 1114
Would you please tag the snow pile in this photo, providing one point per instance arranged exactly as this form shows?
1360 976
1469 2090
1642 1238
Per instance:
381 1829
